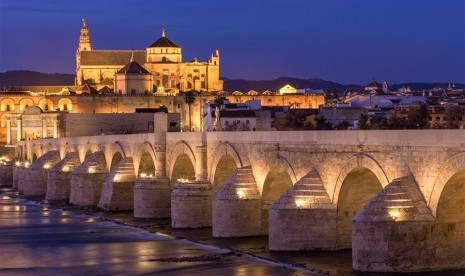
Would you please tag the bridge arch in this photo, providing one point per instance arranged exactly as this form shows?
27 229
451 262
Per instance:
225 161
453 167
358 161
114 153
145 159
85 150
181 150
360 179
283 165
279 177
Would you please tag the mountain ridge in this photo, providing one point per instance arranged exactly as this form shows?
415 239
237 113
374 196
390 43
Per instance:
33 78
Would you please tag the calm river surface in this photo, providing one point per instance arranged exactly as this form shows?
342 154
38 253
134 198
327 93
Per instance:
37 238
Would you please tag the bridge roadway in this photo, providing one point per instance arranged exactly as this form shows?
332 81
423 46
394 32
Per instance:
395 197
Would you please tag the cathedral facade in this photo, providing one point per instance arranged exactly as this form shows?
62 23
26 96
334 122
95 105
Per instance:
162 59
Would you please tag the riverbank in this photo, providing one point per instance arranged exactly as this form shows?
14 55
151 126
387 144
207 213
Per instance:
44 239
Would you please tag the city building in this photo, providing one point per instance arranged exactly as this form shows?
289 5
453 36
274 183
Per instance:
163 59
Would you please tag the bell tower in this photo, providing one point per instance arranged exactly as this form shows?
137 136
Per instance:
84 45
84 39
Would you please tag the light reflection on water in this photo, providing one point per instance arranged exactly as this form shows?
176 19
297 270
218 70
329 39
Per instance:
41 240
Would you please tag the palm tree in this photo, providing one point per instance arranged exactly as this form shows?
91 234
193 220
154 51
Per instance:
189 98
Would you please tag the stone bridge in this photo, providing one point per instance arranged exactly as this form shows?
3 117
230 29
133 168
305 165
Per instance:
397 198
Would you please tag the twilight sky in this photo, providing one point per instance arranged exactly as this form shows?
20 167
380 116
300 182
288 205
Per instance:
346 41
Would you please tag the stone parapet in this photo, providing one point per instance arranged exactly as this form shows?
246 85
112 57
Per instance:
152 197
306 205
191 204
59 177
237 206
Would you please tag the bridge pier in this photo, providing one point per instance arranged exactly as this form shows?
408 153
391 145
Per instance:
86 180
36 175
152 197
394 232
303 218
191 204
59 177
236 208
21 177
6 173
17 171
118 187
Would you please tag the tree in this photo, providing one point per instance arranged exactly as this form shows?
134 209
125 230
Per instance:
363 121
395 121
418 116
453 116
189 98
322 124
219 101
344 125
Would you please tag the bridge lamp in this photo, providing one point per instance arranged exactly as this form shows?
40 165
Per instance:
394 214
17 164
116 178
240 193
300 203
27 164
183 180
47 166
91 170
143 175
66 168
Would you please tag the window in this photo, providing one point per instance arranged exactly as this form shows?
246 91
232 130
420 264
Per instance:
179 106
65 107
7 107
133 91
46 107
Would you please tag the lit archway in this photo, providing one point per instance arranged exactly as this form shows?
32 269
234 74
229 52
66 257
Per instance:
358 187
7 105
146 164
117 157
276 183
453 165
450 219
182 169
25 103
65 104
46 104
224 169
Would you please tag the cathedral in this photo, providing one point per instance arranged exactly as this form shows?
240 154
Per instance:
157 69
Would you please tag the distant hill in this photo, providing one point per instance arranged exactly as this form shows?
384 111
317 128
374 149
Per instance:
274 85
29 78
418 86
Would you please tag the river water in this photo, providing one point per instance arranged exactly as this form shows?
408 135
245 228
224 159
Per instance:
38 238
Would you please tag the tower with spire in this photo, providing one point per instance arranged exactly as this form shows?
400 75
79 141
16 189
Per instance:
84 45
